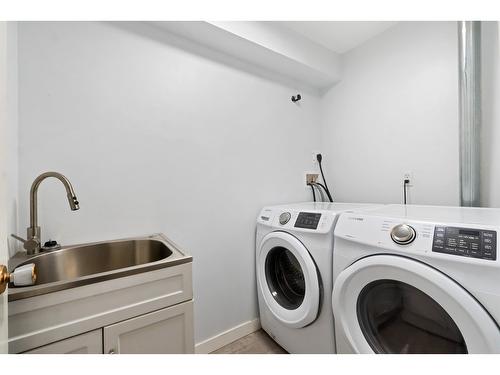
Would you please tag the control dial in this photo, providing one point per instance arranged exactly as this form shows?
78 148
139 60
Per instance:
285 218
403 234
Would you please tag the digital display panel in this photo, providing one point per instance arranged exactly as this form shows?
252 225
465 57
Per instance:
307 220
467 232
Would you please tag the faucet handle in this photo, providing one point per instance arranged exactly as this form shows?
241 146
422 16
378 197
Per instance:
30 245
18 238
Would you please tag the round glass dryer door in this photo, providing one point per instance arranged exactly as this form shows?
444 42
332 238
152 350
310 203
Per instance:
413 308
396 317
288 280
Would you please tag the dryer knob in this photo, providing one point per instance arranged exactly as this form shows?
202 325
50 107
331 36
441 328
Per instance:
403 234
285 218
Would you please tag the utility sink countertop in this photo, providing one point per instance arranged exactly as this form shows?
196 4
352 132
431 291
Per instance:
78 265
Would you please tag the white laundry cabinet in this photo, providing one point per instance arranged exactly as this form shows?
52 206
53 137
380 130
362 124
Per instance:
150 312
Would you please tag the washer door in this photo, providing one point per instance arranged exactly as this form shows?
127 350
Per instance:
288 279
392 304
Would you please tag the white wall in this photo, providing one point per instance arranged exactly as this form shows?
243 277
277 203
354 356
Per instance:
12 133
395 110
3 179
8 153
157 139
490 132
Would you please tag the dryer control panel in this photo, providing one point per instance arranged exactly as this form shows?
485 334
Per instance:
475 243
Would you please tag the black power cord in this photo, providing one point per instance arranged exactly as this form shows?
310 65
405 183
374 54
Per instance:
406 182
314 194
319 158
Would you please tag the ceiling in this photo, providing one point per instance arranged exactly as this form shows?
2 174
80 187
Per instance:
338 36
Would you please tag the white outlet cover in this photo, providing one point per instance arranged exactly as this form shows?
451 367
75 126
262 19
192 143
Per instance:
314 153
408 175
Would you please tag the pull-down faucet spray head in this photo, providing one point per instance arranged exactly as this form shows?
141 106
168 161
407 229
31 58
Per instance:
73 201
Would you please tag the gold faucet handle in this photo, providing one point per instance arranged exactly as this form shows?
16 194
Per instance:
4 278
22 276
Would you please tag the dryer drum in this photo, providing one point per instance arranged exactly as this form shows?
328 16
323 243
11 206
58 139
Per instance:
285 278
396 317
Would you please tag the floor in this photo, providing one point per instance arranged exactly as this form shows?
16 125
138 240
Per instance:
257 342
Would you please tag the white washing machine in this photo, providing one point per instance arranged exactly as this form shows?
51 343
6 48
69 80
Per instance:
417 279
294 246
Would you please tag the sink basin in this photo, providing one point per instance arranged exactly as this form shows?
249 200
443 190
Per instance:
78 265
75 262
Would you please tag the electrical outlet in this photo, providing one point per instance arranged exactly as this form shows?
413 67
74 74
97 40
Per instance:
408 175
311 177
314 160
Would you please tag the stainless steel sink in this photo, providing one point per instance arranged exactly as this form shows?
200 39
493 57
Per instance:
78 265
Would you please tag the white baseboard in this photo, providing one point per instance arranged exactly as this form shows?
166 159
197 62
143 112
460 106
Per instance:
227 337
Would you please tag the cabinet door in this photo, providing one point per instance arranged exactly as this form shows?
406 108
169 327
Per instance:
86 343
164 331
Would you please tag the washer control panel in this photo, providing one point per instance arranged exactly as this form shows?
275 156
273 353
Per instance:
475 243
307 220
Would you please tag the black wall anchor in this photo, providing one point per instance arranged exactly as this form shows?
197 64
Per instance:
296 98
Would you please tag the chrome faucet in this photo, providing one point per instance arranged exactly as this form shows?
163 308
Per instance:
33 243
